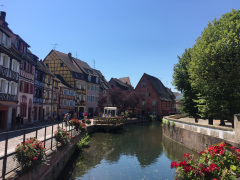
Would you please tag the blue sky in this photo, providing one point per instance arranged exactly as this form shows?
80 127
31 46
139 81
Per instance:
124 37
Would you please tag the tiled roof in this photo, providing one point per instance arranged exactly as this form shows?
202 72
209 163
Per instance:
121 83
44 68
67 61
164 93
125 80
85 67
103 82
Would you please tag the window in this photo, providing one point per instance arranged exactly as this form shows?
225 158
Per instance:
65 92
153 103
5 61
72 93
61 64
29 88
143 103
97 80
54 95
88 87
149 94
97 89
47 65
144 85
3 85
47 111
13 88
4 40
89 78
92 88
88 98
15 65
47 94
64 102
23 109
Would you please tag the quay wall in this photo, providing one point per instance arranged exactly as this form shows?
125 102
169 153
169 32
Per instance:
198 137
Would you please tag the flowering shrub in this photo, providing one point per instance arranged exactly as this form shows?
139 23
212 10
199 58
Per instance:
220 161
30 154
77 123
88 121
62 136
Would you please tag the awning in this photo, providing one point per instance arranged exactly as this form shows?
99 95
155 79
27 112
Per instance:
8 103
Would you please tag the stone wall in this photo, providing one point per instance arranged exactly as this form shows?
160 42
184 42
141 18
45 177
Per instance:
197 137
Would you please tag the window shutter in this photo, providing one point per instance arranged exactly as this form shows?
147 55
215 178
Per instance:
1 59
9 42
27 67
33 69
15 92
18 67
25 87
8 62
10 87
32 88
20 86
1 35
6 86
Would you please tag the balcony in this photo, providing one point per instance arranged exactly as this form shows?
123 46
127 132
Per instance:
7 97
7 73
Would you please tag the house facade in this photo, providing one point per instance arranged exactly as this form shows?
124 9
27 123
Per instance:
65 68
93 86
157 99
9 78
38 93
66 98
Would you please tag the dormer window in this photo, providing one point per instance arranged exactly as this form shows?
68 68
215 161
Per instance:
89 78
5 40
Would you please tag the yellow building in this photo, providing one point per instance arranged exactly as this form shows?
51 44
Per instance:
64 65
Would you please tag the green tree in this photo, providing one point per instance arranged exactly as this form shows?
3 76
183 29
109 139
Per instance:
181 81
214 68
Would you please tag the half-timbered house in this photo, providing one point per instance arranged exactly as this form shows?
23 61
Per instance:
65 66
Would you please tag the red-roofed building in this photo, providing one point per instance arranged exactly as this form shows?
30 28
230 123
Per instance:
157 99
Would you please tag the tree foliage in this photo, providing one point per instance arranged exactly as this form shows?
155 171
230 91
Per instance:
213 69
182 82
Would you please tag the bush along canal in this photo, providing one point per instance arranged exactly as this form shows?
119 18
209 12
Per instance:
138 152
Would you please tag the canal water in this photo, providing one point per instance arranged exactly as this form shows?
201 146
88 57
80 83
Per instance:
138 152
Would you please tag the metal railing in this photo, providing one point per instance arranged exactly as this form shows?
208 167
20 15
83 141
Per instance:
9 140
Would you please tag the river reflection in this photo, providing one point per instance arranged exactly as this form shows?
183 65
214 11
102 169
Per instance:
140 152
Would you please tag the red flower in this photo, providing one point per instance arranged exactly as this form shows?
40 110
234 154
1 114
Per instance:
34 158
187 169
183 163
174 164
213 167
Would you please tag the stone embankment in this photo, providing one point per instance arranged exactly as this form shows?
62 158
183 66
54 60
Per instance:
198 136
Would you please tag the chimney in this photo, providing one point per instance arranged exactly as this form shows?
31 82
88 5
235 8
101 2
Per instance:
69 55
2 15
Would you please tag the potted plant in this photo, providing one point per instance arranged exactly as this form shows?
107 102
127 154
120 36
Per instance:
88 121
62 136
30 154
